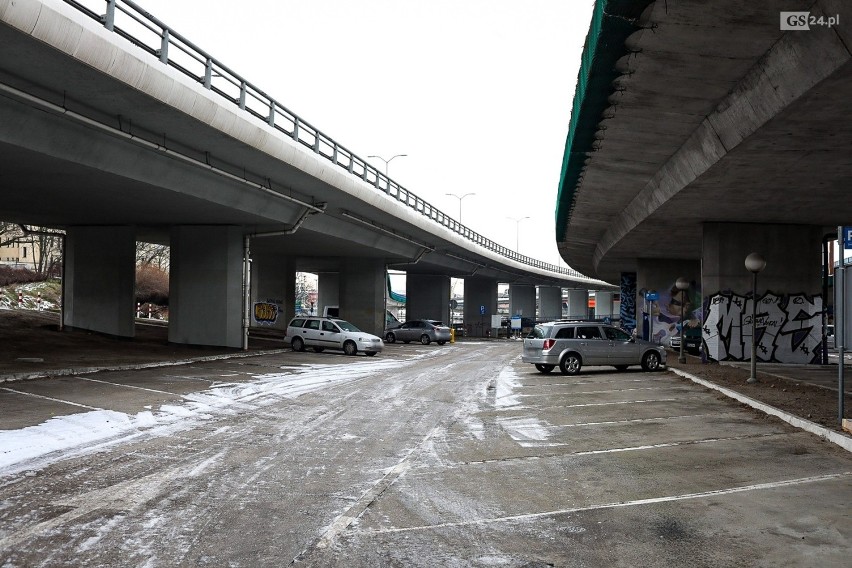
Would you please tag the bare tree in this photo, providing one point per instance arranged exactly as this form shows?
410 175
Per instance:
152 254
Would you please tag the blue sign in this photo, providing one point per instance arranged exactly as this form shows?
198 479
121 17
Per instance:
607 320
517 323
847 237
482 310
652 296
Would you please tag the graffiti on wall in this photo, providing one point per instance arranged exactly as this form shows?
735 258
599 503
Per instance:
788 327
664 315
628 301
266 313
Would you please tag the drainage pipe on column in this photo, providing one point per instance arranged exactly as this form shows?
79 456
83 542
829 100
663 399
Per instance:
309 210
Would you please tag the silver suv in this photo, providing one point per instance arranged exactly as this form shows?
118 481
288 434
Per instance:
570 345
327 333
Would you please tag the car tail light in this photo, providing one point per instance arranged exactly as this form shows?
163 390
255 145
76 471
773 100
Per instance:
548 343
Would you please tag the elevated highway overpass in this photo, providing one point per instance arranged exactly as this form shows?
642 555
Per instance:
116 128
702 132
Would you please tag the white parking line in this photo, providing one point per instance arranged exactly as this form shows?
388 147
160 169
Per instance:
125 386
51 398
634 503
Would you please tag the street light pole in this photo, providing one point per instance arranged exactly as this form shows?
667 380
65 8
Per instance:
754 263
682 284
388 161
517 231
460 200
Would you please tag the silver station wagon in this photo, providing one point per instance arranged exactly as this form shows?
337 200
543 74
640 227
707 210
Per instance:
328 333
570 345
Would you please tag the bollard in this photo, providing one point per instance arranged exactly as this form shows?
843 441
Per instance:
138 309
452 335
149 310
20 299
38 302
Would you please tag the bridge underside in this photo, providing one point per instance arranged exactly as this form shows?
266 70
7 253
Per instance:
717 116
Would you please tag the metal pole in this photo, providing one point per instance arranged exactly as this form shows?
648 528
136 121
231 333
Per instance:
839 322
753 377
682 358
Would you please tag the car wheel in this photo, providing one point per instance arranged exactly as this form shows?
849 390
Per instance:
544 368
370 353
441 342
424 339
570 364
350 348
651 361
297 344
621 367
390 337
319 349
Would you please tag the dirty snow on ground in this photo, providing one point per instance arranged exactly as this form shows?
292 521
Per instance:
63 436
30 298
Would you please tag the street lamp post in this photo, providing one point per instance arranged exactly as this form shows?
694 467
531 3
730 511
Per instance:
754 263
460 197
517 221
388 161
682 284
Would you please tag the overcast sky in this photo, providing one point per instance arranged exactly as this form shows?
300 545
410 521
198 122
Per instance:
477 93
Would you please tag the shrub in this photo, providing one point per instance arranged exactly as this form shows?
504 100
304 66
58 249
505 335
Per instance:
152 285
13 275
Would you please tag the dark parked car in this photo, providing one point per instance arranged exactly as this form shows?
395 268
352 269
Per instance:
424 331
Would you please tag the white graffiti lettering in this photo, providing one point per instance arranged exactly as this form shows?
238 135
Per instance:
787 327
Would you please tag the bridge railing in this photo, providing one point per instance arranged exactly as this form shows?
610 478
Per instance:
142 29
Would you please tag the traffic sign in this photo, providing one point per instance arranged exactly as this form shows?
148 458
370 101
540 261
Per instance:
847 237
482 310
652 296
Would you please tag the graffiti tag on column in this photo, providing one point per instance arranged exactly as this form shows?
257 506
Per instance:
265 312
788 327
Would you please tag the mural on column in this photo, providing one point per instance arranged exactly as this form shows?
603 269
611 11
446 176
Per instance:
667 310
628 301
789 328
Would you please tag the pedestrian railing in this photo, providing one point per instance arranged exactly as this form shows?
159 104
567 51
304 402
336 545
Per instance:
142 29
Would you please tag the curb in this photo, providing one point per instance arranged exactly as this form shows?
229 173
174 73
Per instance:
841 440
16 377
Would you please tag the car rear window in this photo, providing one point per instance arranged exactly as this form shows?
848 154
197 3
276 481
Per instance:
540 332
297 322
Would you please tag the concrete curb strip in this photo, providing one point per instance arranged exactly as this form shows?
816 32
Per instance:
841 440
13 377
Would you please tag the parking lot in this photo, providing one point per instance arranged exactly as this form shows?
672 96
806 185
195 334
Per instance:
422 456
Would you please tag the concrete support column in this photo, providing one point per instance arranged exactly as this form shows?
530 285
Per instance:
603 304
328 290
206 286
427 296
549 303
792 254
522 300
362 293
100 277
578 305
789 292
480 294
660 275
273 289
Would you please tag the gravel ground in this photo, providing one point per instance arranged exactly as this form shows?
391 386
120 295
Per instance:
814 403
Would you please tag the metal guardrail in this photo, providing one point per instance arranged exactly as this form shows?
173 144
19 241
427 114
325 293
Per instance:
145 31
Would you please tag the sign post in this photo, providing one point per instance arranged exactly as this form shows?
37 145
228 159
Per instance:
844 236
652 296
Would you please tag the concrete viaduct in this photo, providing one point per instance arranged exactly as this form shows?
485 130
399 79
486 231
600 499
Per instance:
702 132
116 129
